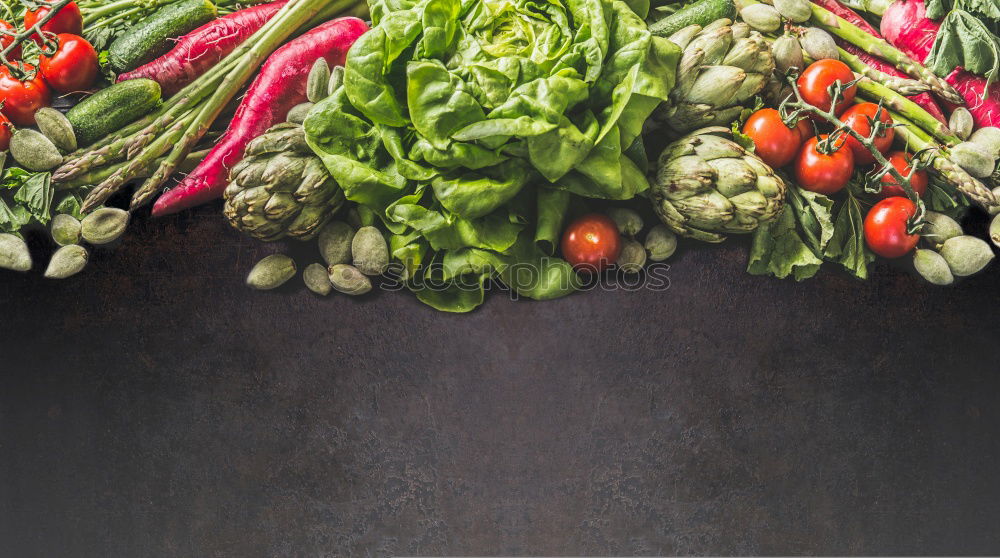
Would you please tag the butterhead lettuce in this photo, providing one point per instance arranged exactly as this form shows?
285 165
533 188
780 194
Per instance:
468 126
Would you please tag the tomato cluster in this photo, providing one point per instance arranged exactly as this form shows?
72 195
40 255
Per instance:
71 67
826 167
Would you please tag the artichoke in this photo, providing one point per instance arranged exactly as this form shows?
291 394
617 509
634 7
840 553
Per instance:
281 188
706 184
717 73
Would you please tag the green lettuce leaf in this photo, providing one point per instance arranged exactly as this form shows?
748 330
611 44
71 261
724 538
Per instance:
965 40
847 247
779 250
469 125
36 196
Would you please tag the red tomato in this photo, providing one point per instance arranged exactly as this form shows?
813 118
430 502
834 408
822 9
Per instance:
73 67
885 227
859 117
6 40
774 142
805 130
5 132
814 84
591 243
22 98
68 20
890 187
824 174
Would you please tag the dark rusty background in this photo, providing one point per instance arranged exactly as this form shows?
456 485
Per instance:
153 406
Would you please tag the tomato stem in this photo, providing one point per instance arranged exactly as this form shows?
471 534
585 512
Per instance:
17 68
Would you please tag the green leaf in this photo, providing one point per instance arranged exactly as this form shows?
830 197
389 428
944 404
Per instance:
12 219
942 197
13 177
463 293
847 247
533 274
552 208
438 103
70 205
779 250
471 260
36 196
473 194
813 212
965 40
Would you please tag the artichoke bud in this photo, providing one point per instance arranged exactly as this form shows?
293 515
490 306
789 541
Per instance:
247 172
280 206
733 176
713 44
718 24
717 85
281 188
684 37
254 197
685 176
283 172
313 175
707 184
232 190
309 221
290 139
744 53
708 210
717 73
751 203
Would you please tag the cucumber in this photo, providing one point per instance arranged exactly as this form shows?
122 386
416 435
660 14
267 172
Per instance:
112 109
150 39
701 13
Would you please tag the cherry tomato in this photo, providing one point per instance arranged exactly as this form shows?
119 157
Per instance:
68 20
805 130
859 117
885 227
73 66
5 132
591 243
775 143
22 98
824 174
890 187
814 84
6 40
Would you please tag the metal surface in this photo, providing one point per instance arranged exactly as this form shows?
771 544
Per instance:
153 407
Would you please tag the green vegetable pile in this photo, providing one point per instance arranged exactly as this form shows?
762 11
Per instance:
471 128
28 198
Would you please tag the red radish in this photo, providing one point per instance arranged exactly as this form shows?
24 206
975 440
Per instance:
906 26
280 86
925 100
985 111
199 50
